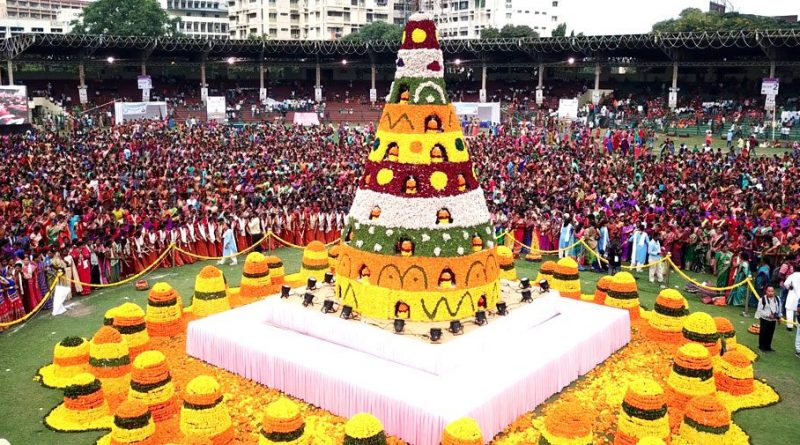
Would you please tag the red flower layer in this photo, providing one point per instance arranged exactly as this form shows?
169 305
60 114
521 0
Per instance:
422 174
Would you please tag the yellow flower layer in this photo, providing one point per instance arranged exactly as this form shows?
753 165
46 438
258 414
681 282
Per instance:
734 436
108 350
510 275
137 339
639 428
585 440
202 308
690 386
312 255
428 140
133 436
701 323
61 351
205 422
61 376
159 395
762 395
666 324
621 304
163 314
63 419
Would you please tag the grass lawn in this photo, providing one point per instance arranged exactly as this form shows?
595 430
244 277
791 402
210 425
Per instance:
23 349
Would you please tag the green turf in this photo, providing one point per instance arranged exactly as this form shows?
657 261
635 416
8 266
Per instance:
25 348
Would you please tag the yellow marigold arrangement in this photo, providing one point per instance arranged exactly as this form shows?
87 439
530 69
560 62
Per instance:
567 424
601 291
464 431
666 321
546 272
109 361
734 374
204 415
210 293
283 423
364 429
164 311
276 270
624 294
692 375
643 414
700 328
315 263
256 282
151 384
566 279
707 421
333 257
650 440
84 407
70 358
505 258
727 335
133 425
129 321
108 317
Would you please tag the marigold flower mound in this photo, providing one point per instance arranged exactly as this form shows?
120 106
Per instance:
623 293
706 421
700 328
643 414
133 425
276 271
566 279
256 282
204 414
70 358
314 264
110 362
84 407
364 429
692 375
129 321
734 374
601 290
505 258
164 311
727 335
546 272
283 423
108 317
665 323
567 424
210 293
151 384
464 431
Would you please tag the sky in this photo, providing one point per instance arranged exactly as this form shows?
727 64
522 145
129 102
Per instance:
594 17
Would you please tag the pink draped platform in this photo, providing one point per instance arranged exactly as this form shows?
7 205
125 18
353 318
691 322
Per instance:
493 374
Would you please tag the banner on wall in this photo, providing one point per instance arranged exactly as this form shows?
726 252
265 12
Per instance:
215 108
262 95
482 96
203 94
373 95
128 111
568 108
318 94
673 99
539 96
83 95
144 82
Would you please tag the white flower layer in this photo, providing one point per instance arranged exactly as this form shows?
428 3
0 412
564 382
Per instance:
467 209
416 61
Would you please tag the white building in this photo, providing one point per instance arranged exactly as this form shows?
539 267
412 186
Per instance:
465 19
39 9
60 25
306 19
200 18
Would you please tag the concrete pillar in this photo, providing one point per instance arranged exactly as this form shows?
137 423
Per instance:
203 84
483 83
373 92
261 75
672 100
144 68
540 86
771 75
319 76
81 75
10 72
596 91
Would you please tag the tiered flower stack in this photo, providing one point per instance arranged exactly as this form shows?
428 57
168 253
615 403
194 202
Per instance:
164 311
256 282
109 361
204 416
464 431
70 358
546 272
692 375
566 279
669 313
708 421
727 335
276 271
700 328
151 384
364 429
506 259
567 424
84 408
210 293
129 320
314 264
283 424
624 294
601 291
734 374
133 425
643 414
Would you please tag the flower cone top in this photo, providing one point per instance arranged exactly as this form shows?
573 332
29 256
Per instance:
364 428
315 263
464 431
85 407
282 423
419 213
133 424
70 358
734 374
256 281
108 354
210 292
151 384
644 413
506 260
276 271
204 414
164 311
129 320
706 420
255 265
700 328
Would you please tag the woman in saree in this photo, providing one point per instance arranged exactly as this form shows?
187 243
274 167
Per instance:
738 296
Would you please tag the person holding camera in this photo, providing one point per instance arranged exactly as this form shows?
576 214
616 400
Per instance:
768 314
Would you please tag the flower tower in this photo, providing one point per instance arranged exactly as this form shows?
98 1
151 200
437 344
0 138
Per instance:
133 425
644 413
692 375
546 272
624 294
84 408
204 415
419 225
256 282
464 431
700 328
210 292
283 424
567 424
277 273
669 313
314 264
566 279
164 311
110 362
364 429
505 258
129 320
734 374
151 384
601 291
706 421
70 358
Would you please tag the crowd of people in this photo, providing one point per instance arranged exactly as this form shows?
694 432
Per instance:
99 204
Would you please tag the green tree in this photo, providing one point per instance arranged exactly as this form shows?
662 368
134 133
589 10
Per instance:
695 20
142 18
560 30
490 33
509 32
376 31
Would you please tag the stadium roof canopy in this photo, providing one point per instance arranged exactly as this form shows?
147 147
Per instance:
735 48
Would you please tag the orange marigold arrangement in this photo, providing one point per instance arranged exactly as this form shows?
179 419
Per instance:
666 322
314 264
567 424
505 258
70 358
464 431
109 361
256 282
151 384
204 416
210 293
84 407
164 311
566 279
546 272
707 421
692 375
700 328
283 423
623 293
133 425
601 291
727 335
644 413
276 271
734 374
129 321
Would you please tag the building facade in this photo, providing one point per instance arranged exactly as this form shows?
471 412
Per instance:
62 24
200 18
465 19
41 9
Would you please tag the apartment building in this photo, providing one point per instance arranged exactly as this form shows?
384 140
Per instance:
200 18
40 9
465 19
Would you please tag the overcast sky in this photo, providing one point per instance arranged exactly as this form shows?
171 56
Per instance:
638 16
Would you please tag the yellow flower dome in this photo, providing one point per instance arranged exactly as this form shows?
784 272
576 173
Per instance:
84 408
210 293
283 423
464 431
700 328
364 429
129 320
623 293
256 282
70 358
669 313
204 415
643 414
164 311
505 258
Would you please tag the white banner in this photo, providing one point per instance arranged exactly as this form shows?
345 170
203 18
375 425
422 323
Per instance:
318 94
83 95
215 108
204 94
262 95
673 99
539 96
770 86
373 95
595 97
134 108
144 82
146 95
482 96
769 103
568 108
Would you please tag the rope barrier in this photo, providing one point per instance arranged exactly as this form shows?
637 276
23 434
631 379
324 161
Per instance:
247 250
628 267
532 249
287 243
38 306
129 279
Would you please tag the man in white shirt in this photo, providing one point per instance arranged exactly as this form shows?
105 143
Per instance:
653 255
792 285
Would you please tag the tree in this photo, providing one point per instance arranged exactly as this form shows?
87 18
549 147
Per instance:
376 31
560 30
508 32
490 33
143 18
695 20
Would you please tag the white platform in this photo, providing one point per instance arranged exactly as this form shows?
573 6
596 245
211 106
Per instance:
493 374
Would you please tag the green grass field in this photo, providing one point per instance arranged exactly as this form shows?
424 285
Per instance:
24 348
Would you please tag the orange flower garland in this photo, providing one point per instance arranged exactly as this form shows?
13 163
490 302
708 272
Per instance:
129 321
700 328
643 414
464 431
84 407
164 311
133 425
204 415
692 375
210 293
566 279
109 361
70 358
624 294
666 321
151 384
601 291
276 270
734 374
567 424
256 282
